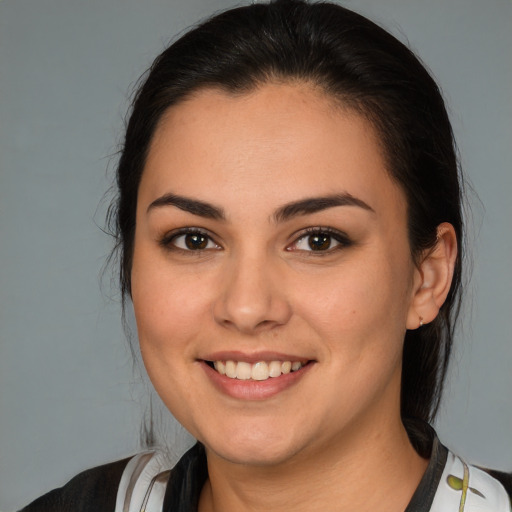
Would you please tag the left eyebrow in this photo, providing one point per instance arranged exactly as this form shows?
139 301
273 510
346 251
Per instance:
194 206
317 204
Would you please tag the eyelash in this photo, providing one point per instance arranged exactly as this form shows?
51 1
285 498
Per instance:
168 242
341 238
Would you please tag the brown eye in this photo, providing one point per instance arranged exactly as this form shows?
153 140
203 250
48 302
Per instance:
195 241
317 242
320 242
191 241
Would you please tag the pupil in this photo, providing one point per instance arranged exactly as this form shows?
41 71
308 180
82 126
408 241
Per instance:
319 242
195 241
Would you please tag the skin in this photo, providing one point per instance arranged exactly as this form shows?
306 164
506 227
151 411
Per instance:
258 286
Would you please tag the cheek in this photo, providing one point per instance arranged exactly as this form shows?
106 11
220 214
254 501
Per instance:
167 311
366 303
349 297
167 306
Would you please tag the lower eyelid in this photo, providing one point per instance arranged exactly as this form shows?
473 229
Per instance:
181 238
333 246
168 240
337 239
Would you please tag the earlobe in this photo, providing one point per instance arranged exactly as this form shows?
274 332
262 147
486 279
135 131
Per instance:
433 278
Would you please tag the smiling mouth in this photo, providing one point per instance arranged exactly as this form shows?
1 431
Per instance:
262 370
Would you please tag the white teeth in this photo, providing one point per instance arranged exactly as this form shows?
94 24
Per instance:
220 367
274 368
243 371
231 369
286 367
261 370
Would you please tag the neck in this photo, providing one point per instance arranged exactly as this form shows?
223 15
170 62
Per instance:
366 469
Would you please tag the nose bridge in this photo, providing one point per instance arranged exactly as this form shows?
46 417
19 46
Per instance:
252 297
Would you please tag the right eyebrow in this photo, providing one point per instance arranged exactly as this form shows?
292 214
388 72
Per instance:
316 204
194 206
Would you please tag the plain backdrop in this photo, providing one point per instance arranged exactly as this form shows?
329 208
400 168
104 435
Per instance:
69 395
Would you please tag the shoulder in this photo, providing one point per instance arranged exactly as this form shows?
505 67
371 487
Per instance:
149 484
451 484
143 482
504 478
91 490
466 487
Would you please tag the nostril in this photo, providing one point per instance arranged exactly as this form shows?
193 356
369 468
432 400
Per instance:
246 326
249 305
265 323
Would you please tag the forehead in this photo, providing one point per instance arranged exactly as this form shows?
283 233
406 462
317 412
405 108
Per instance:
279 141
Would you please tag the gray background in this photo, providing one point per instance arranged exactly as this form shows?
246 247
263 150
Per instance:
69 397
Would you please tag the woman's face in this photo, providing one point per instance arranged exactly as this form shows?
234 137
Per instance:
269 235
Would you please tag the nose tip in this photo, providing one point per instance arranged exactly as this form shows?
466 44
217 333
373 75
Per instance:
249 320
251 301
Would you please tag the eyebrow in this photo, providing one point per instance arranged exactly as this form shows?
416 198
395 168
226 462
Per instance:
317 204
194 206
288 211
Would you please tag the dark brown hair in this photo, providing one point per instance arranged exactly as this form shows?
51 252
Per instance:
353 60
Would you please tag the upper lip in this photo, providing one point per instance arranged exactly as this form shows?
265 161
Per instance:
254 357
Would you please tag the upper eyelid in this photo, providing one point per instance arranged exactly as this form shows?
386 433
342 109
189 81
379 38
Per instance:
188 229
169 236
301 233
339 235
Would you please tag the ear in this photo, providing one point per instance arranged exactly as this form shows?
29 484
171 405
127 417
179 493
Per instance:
433 278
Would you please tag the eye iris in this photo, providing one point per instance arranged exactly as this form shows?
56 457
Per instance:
195 241
319 242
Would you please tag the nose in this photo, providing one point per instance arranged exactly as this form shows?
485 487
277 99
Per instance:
252 297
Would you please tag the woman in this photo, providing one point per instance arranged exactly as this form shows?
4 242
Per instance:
289 221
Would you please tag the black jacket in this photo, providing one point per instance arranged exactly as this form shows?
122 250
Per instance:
95 490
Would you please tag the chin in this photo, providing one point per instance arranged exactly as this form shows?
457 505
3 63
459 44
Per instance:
254 447
255 456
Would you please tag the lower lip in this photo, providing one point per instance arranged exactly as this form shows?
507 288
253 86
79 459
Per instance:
254 389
